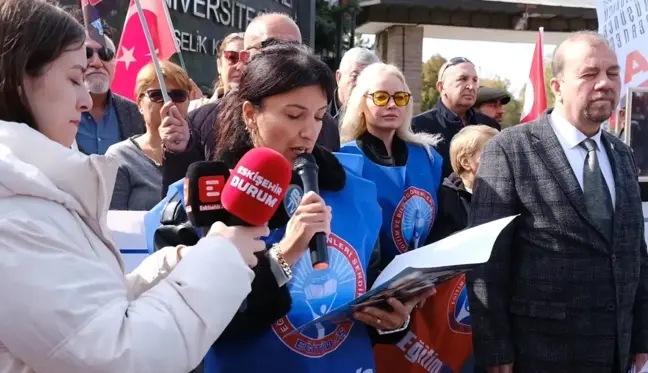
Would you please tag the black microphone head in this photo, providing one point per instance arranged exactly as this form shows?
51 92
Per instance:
292 199
303 161
203 187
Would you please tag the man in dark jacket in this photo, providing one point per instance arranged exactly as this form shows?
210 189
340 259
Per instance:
565 289
458 84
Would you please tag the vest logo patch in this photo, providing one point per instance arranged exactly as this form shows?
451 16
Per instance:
412 219
458 309
315 293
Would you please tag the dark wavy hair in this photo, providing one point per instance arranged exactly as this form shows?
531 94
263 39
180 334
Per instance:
33 33
277 69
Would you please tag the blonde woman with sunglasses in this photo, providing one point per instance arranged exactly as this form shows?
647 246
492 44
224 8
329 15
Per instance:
404 165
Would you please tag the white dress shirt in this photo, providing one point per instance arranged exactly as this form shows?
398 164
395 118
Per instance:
570 138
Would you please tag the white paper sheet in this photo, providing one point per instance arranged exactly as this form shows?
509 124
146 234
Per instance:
471 246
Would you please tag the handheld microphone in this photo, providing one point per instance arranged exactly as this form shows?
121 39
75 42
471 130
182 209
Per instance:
257 186
307 169
203 193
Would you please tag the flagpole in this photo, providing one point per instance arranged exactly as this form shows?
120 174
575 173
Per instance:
175 41
542 42
154 56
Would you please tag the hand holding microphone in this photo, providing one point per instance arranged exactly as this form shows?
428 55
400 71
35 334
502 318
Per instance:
311 217
244 199
308 171
246 239
174 130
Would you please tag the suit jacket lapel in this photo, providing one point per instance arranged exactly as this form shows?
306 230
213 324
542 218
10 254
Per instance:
615 164
546 143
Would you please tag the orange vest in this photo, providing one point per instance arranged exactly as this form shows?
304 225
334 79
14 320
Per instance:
440 337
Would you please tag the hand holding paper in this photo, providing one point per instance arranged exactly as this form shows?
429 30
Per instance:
413 273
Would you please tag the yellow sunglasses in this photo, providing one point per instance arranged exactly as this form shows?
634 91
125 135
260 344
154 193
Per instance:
381 98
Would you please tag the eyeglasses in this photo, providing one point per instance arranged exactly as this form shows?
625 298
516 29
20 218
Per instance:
176 95
245 55
105 54
452 62
232 57
381 98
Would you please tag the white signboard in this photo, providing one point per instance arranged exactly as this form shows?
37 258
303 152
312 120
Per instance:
625 24
128 232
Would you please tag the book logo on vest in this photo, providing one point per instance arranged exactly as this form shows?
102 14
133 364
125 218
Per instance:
412 219
315 293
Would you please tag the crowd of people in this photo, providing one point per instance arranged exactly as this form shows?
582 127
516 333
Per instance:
565 289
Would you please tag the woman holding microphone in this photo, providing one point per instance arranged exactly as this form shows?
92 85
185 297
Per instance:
66 304
281 100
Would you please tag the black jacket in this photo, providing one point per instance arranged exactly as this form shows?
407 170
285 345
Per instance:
441 120
453 201
202 126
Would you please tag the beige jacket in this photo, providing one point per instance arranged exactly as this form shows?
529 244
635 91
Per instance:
66 305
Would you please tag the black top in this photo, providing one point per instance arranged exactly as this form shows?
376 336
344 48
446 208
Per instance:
374 148
454 207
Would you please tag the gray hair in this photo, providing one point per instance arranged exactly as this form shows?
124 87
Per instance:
359 55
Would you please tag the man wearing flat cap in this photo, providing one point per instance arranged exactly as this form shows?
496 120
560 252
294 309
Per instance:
491 101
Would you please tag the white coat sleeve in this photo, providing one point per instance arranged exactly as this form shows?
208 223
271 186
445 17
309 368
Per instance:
63 309
152 270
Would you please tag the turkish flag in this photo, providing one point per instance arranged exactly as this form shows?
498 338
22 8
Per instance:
133 52
535 98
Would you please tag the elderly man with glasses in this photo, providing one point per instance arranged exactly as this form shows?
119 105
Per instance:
458 84
113 118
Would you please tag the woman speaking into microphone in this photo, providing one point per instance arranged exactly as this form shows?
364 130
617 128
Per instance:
281 100
65 303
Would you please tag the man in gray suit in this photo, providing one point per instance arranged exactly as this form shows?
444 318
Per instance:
566 287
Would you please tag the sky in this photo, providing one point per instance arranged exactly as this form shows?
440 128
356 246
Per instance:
506 60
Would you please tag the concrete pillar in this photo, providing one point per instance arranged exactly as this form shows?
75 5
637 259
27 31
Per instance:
403 46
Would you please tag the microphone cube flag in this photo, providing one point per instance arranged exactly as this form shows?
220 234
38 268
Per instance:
203 191
210 188
257 185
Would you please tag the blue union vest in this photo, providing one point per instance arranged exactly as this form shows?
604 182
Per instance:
407 196
326 347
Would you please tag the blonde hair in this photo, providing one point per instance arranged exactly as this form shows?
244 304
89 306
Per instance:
468 142
354 123
172 73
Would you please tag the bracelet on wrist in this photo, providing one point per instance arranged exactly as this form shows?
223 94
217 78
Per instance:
276 253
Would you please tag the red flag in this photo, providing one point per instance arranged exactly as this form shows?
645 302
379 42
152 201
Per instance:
535 98
133 52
